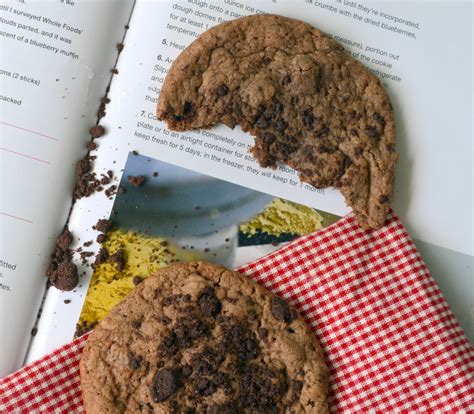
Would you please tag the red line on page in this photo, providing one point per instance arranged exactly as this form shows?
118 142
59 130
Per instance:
15 217
25 155
29 130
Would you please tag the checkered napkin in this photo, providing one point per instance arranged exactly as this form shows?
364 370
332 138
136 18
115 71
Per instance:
390 339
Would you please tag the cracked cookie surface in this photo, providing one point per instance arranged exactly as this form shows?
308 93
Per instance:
198 338
306 101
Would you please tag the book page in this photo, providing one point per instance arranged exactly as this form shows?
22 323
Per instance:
55 64
398 41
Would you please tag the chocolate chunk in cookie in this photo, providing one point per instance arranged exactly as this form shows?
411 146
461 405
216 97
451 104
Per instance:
281 311
165 383
209 304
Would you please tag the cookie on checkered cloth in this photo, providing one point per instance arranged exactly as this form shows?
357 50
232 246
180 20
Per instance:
199 338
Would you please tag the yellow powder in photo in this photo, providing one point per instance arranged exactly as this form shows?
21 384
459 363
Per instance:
282 216
144 255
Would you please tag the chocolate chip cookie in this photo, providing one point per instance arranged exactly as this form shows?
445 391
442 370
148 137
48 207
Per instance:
199 338
306 101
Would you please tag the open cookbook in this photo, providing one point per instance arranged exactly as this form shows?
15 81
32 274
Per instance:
67 66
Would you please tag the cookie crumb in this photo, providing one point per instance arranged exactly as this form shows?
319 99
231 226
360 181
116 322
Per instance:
119 258
97 131
61 270
83 328
102 225
65 277
83 166
64 240
101 257
111 191
137 180
101 238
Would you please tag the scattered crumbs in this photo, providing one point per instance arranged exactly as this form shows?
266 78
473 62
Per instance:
115 71
119 258
120 47
67 301
101 257
155 174
105 179
83 328
111 191
61 272
83 166
66 276
136 180
102 225
91 146
97 131
34 331
101 112
88 243
134 152
101 238
84 255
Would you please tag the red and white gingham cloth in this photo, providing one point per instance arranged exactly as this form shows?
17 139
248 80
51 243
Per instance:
390 339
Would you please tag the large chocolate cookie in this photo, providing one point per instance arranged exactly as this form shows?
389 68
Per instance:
198 338
304 98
